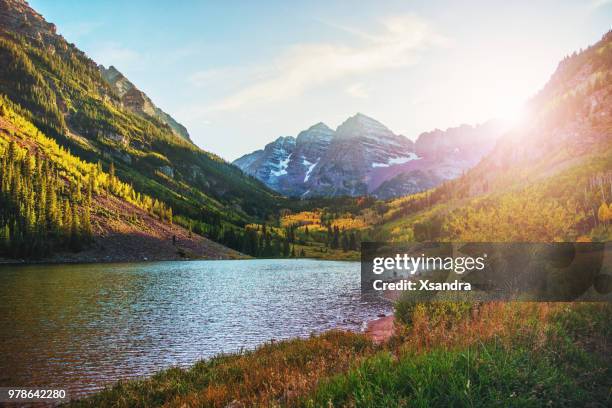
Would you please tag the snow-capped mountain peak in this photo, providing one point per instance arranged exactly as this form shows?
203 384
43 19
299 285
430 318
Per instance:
361 155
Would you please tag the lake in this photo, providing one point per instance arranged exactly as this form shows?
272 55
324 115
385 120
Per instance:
81 327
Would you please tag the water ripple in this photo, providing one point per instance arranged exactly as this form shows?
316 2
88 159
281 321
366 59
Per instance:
81 327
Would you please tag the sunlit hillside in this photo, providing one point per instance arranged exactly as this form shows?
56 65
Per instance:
54 202
550 179
60 90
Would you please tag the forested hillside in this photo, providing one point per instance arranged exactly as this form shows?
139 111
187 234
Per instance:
50 83
53 202
547 179
550 179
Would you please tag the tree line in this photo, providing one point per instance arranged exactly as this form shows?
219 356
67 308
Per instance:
39 212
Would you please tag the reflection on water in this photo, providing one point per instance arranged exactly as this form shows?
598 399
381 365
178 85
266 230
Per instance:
83 326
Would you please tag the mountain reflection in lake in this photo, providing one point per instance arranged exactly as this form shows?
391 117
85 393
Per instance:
81 327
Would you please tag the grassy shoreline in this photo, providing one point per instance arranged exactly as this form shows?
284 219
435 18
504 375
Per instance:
518 354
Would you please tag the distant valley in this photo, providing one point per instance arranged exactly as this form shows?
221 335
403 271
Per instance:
91 168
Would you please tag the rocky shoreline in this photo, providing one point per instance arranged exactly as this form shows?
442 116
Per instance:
380 330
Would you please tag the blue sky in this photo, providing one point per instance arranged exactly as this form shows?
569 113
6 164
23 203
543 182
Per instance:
240 74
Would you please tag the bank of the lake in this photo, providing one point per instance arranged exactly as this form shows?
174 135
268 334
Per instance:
132 250
496 354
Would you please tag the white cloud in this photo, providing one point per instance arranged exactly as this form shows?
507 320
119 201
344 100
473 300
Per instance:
304 66
595 4
357 90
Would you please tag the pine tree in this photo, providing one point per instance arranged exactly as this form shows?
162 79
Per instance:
67 220
74 231
111 177
336 238
353 242
267 251
345 241
53 223
86 224
5 238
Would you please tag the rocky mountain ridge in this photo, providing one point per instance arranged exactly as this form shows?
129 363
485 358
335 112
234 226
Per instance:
138 102
18 17
362 156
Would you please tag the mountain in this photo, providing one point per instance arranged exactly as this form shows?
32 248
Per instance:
55 207
138 102
406 183
271 162
547 179
362 156
445 155
287 163
100 116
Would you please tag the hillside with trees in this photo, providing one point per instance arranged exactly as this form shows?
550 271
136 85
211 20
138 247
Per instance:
54 202
549 179
55 87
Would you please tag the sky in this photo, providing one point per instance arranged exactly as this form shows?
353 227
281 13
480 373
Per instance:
238 74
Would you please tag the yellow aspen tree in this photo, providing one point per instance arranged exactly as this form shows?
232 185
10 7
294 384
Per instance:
604 213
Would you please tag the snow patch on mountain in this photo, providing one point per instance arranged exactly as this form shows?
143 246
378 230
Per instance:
281 170
397 160
310 166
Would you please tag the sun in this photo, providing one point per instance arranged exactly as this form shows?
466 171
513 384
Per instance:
514 116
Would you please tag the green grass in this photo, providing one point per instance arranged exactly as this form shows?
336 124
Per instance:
496 354
563 362
487 375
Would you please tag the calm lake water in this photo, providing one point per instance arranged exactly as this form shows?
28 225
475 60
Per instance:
81 327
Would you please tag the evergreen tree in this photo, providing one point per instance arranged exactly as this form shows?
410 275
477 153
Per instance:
74 232
86 224
67 220
345 241
353 241
111 177
5 238
267 251
335 244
